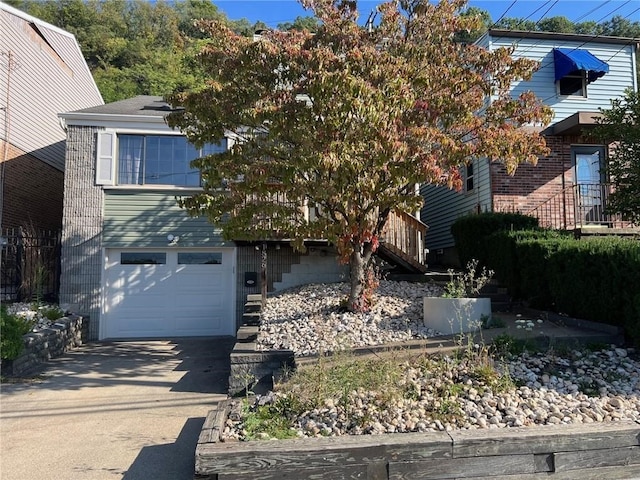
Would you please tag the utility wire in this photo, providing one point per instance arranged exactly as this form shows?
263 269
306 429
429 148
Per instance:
585 15
505 12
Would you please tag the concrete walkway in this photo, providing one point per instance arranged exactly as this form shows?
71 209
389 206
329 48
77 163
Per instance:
121 410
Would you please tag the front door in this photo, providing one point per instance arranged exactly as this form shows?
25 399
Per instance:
588 163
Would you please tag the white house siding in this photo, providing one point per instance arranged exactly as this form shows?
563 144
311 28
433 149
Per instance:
442 206
619 56
48 75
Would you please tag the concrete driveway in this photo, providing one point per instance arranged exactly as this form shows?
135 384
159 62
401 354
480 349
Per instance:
128 410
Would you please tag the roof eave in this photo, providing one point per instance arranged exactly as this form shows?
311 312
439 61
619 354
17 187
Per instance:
575 124
79 118
563 36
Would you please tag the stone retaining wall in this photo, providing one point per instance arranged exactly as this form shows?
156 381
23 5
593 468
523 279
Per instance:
255 369
42 346
584 452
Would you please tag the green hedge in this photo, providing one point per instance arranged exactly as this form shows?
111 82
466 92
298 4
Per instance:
594 279
506 251
599 279
470 231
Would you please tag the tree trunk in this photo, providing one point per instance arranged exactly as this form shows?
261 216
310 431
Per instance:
359 263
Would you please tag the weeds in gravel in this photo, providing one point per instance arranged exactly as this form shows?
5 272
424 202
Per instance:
468 283
268 421
50 312
357 389
339 376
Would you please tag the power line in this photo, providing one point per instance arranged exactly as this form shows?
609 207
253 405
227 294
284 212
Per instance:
505 12
585 15
546 11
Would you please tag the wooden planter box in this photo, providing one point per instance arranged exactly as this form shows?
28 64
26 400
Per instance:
594 451
455 315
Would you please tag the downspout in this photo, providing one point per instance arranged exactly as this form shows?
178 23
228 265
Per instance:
7 131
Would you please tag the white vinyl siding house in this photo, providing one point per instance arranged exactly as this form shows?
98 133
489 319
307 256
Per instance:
47 75
42 73
443 206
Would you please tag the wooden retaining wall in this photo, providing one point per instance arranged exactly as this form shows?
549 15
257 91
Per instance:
585 452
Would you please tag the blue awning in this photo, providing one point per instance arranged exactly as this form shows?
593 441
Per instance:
569 60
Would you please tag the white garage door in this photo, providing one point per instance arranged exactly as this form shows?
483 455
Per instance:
168 293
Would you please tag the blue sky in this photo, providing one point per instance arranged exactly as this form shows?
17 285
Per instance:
274 12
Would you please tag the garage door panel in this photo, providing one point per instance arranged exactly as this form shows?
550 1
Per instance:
193 321
142 326
169 299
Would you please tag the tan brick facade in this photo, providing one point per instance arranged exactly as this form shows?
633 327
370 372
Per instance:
32 191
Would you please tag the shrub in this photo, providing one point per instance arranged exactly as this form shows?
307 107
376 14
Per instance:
599 279
594 279
501 254
12 328
470 231
533 258
51 312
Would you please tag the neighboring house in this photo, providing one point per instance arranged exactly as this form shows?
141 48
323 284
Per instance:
42 73
135 262
578 74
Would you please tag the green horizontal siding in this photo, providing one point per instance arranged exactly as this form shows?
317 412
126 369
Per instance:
144 219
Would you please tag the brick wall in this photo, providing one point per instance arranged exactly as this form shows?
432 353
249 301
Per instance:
534 184
32 193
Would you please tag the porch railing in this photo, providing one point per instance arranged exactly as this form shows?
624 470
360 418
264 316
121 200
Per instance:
406 233
403 233
578 206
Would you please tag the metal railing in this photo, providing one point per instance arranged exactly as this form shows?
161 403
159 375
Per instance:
578 206
29 265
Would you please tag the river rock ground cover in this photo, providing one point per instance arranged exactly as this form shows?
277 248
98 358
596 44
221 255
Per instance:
37 315
480 386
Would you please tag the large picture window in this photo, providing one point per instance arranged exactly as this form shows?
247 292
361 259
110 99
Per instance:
159 160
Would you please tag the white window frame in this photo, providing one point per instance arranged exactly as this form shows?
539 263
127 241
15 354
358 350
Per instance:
582 93
469 177
107 160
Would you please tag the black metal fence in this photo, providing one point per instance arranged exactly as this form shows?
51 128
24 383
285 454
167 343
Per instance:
578 206
29 265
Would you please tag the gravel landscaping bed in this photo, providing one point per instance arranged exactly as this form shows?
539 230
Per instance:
308 319
472 390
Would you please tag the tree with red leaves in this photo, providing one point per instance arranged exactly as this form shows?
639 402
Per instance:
348 121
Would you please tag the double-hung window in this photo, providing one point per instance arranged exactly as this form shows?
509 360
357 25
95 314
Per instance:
149 160
469 177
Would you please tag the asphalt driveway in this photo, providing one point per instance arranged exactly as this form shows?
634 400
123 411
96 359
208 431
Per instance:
126 410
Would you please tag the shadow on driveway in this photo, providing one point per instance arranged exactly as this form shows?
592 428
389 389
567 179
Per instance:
171 461
108 409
